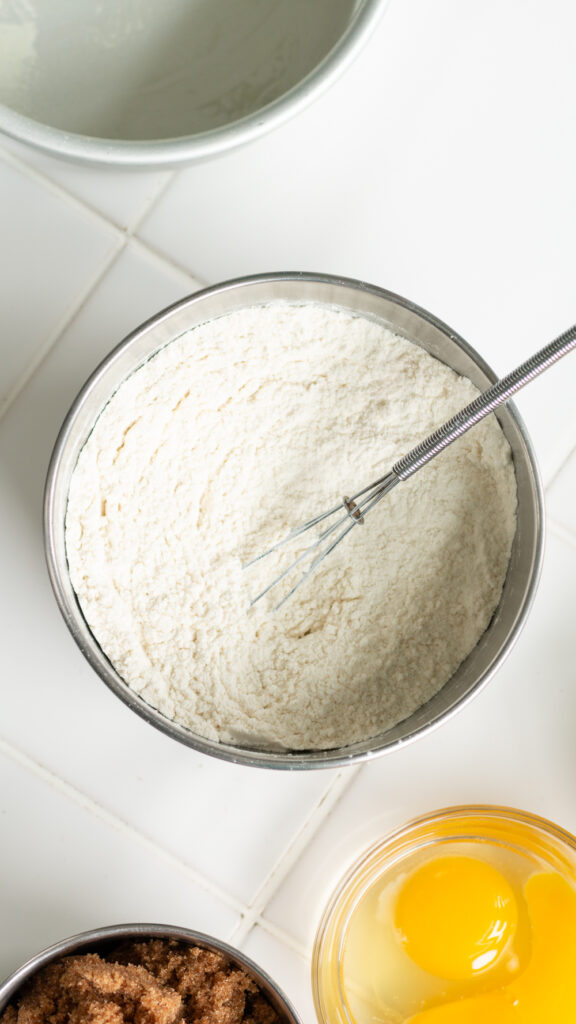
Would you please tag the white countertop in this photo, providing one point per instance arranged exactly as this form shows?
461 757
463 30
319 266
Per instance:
440 166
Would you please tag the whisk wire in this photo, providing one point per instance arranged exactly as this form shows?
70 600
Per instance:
356 508
355 511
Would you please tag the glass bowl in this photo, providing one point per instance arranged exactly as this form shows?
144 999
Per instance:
516 842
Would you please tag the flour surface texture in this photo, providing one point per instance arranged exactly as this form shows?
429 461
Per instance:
214 449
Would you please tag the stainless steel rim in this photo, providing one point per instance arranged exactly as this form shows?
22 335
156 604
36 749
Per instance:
187 149
98 938
368 300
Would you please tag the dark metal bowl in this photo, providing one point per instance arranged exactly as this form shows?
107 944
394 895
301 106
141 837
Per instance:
102 940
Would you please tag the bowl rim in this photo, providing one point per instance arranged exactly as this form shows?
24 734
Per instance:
85 941
454 813
157 153
338 757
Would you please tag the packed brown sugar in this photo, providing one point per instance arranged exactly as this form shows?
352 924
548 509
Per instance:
156 981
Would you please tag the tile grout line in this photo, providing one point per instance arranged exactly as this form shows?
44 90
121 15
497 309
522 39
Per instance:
254 912
139 218
151 249
81 205
167 261
117 824
44 350
60 191
123 239
286 938
70 315
303 949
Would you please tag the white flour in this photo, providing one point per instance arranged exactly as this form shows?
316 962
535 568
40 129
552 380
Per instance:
214 449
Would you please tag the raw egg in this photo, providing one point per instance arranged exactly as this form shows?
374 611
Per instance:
467 916
458 940
455 916
546 989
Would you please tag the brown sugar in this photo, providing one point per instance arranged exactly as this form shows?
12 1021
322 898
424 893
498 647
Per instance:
156 981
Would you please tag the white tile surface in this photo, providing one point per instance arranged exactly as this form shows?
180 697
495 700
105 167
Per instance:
561 498
441 167
123 196
51 254
65 870
289 969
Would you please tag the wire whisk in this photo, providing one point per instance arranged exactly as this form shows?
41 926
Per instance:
352 511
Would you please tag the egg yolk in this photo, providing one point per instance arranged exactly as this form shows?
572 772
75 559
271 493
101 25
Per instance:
546 990
455 916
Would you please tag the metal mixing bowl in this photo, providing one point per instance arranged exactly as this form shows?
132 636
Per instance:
405 319
171 83
102 940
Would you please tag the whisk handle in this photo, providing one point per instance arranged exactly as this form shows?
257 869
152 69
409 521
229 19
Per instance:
484 404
